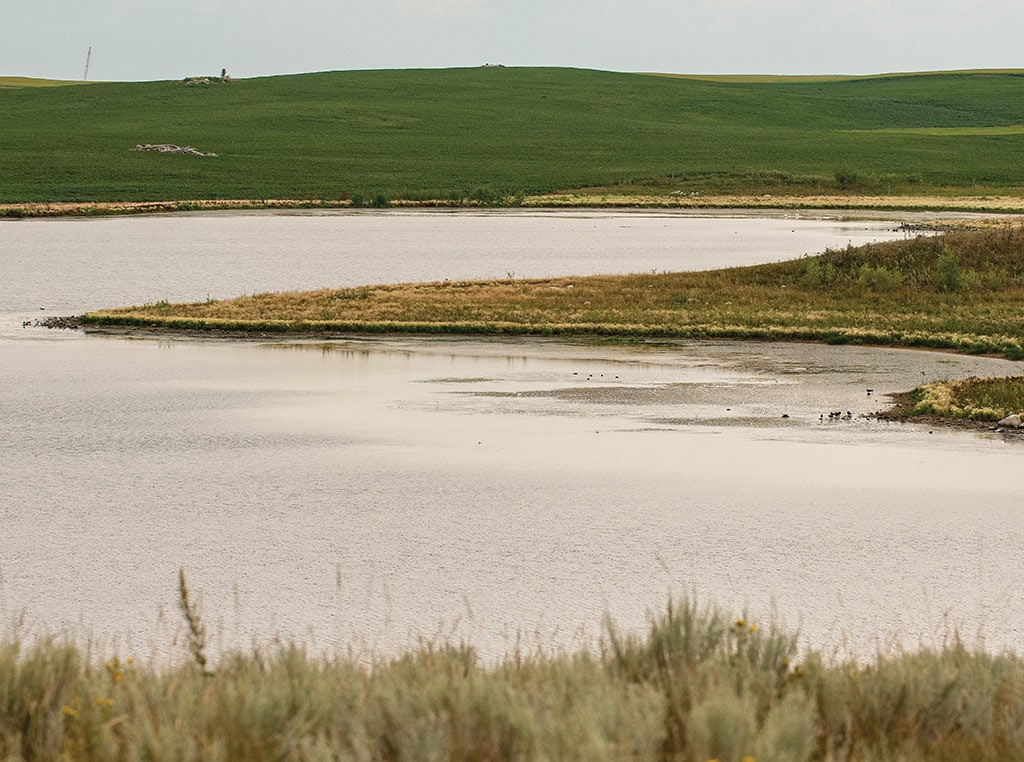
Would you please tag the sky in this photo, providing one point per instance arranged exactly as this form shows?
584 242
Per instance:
171 39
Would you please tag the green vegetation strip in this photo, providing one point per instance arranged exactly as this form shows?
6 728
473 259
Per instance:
961 291
698 685
497 135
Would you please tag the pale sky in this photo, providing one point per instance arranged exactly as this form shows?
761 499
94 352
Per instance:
170 39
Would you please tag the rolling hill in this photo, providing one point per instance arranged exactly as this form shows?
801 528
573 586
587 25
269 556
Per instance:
489 133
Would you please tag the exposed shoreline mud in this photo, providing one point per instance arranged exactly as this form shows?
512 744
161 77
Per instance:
899 410
968 205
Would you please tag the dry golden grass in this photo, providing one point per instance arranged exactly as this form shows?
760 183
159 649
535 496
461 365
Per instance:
628 197
881 294
586 198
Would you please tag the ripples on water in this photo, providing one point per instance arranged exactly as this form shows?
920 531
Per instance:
82 264
363 493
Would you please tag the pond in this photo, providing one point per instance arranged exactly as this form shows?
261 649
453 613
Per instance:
363 493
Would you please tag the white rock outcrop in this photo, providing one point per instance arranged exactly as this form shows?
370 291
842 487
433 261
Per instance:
169 148
1011 422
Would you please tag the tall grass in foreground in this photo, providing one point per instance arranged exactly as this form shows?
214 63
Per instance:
698 685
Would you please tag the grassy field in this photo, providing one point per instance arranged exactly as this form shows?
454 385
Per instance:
494 135
6 82
698 685
35 82
960 291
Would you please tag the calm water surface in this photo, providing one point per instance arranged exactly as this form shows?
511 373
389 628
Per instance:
81 264
363 493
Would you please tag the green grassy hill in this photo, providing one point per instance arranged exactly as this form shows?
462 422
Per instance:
462 132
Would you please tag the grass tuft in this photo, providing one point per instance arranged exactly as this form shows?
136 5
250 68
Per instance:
196 628
973 399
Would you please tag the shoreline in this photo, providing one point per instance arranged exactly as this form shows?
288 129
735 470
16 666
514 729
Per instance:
897 410
751 204
840 304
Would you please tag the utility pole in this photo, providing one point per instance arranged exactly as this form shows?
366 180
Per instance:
88 57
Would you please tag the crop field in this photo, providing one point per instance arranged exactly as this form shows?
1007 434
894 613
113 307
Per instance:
493 135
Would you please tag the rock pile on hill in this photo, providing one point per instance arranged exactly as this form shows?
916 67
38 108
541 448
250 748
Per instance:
169 148
223 79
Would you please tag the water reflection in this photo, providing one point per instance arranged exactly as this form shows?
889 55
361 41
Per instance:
364 493
372 492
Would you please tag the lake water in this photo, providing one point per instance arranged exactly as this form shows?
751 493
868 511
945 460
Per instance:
73 265
363 493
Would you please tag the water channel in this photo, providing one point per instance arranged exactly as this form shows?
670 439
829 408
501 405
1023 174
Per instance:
363 493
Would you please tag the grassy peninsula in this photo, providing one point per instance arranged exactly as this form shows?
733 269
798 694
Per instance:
504 135
973 400
698 685
961 291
